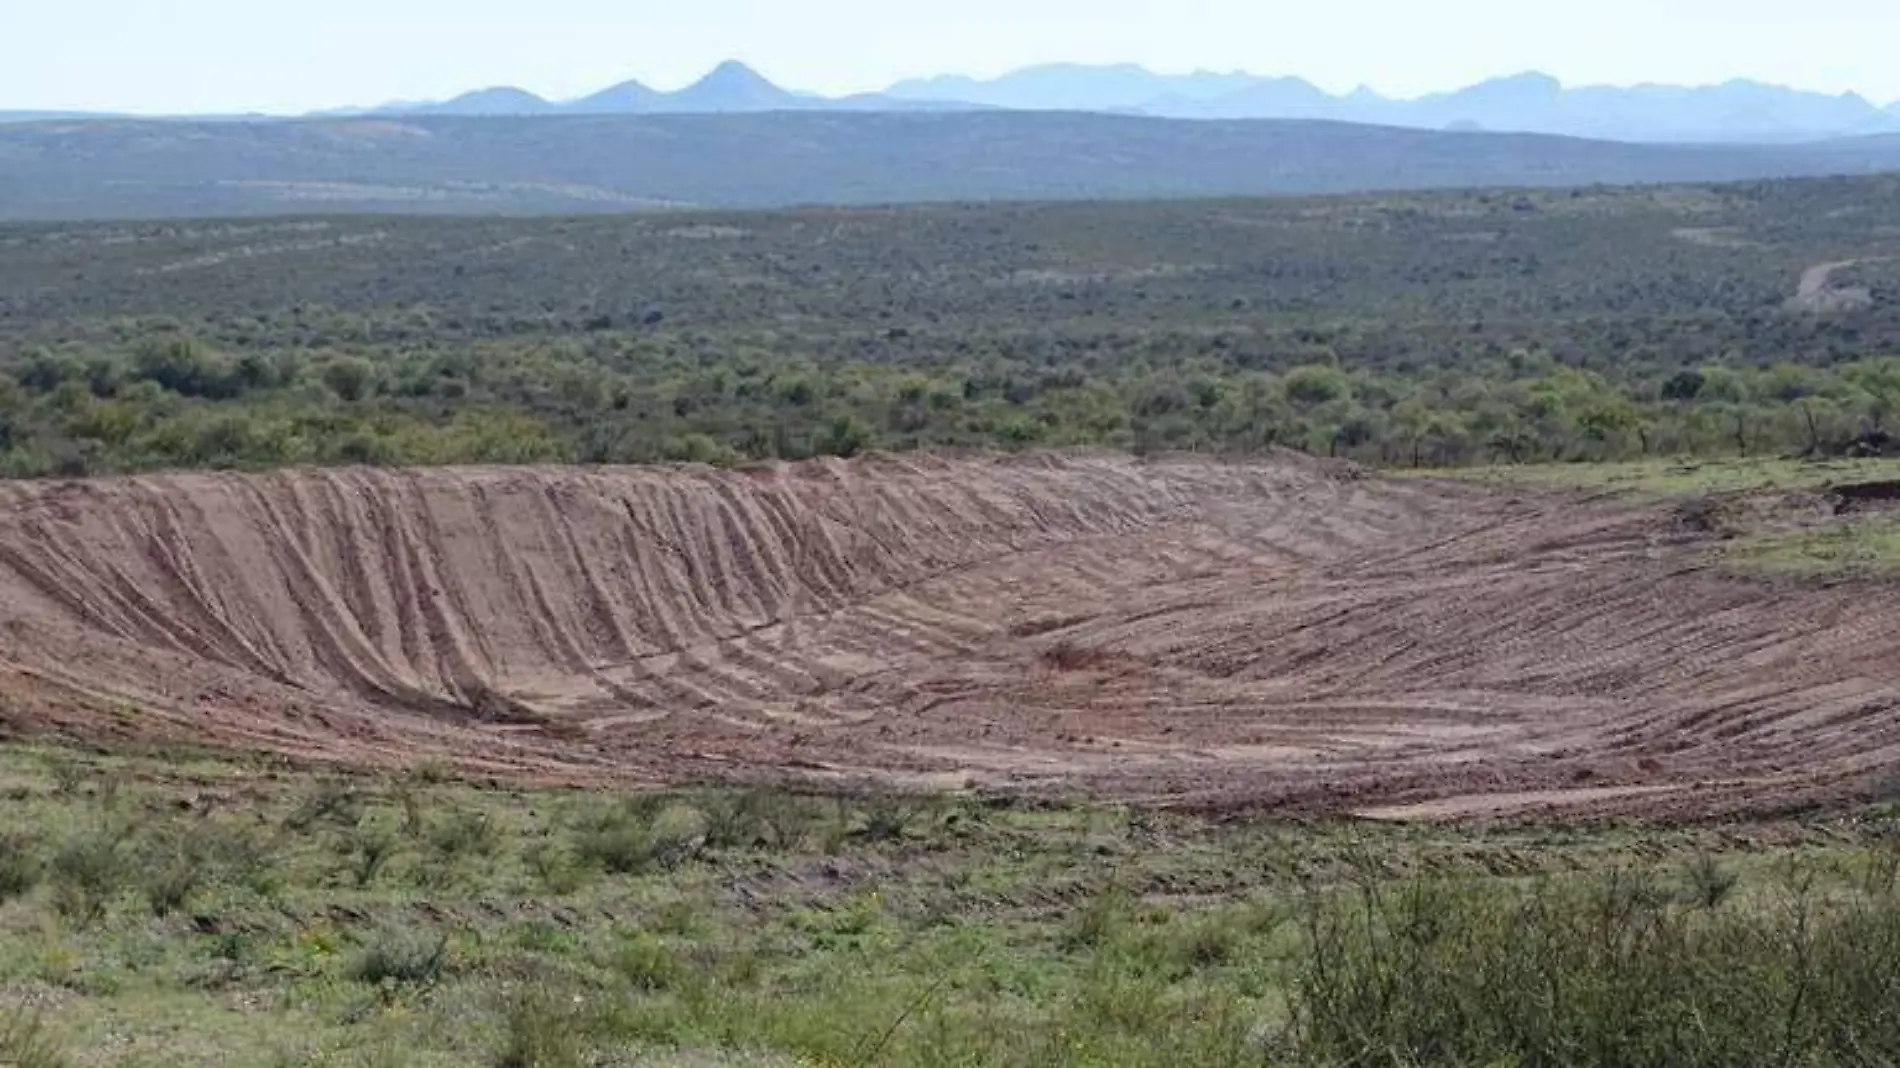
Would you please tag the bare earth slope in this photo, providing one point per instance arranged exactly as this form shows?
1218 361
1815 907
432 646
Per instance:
1280 632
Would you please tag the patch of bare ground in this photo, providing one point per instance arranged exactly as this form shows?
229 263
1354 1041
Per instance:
1279 634
1715 236
1817 291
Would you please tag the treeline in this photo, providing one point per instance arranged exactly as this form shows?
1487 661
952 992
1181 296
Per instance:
173 402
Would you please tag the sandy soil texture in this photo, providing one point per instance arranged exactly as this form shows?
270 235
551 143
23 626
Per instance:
1280 633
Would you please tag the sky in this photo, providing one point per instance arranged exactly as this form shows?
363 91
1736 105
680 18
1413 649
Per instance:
289 56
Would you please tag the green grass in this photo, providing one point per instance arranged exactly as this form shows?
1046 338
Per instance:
1619 970
705 927
1861 546
1680 478
1854 546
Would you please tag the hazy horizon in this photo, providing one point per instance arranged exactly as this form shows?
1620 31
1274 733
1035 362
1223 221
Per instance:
232 56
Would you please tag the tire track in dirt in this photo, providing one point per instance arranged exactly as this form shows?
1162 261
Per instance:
1273 633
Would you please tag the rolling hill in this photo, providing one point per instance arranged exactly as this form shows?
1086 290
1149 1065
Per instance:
561 163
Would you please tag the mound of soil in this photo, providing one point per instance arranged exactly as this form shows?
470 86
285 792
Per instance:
1857 496
1277 633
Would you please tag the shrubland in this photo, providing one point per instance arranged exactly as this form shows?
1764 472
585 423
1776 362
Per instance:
1415 330
176 908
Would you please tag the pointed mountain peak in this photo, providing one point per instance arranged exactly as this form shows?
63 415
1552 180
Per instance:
631 85
734 73
732 86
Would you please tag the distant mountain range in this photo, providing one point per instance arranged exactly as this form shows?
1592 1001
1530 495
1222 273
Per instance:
568 163
1739 112
1735 112
730 88
734 139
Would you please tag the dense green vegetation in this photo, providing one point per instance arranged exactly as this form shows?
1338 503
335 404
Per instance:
1430 330
177 910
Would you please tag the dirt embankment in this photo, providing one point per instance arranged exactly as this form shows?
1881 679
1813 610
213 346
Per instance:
1272 633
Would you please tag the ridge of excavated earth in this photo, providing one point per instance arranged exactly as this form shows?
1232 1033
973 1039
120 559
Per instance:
1279 633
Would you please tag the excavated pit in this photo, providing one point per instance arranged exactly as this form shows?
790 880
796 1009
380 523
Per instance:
1281 633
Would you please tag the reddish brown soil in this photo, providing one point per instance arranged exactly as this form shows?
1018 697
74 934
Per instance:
1279 634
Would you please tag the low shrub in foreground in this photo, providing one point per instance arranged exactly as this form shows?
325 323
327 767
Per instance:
400 957
20 866
24 1043
1619 973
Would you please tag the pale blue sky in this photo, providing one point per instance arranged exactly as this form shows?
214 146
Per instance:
273 55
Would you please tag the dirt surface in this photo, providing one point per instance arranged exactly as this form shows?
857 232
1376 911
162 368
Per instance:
1817 291
1280 634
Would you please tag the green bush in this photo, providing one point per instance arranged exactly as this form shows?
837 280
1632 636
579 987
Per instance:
640 835
555 868
350 378
464 833
738 819
617 842
763 818
20 866
331 801
395 956
647 965
1099 920
676 835
542 1030
172 863
890 818
1614 974
1707 883
25 1044
369 850
87 872
168 883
